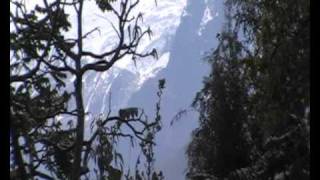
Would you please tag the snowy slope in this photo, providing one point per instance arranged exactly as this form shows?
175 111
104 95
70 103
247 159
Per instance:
183 30
163 20
184 74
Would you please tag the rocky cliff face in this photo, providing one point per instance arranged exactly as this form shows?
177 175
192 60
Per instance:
126 77
194 37
184 30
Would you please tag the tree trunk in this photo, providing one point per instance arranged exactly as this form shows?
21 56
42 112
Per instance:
79 102
18 160
80 129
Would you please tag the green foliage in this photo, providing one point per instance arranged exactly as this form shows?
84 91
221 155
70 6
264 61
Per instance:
223 115
147 146
105 4
259 84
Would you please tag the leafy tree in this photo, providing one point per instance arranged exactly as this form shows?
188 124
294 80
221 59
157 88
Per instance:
219 145
42 59
278 71
272 40
147 146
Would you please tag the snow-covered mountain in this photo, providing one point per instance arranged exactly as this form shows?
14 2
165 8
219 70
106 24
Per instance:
183 31
200 21
126 77
164 19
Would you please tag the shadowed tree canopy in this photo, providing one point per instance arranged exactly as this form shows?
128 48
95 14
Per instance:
255 105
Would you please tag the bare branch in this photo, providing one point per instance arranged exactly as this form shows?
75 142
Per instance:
88 33
42 175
